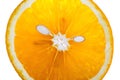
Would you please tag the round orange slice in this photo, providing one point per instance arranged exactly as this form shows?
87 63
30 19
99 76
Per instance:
59 40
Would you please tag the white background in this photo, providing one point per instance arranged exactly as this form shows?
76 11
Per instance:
111 8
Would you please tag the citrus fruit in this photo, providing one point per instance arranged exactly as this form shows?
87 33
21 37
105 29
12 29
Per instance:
59 40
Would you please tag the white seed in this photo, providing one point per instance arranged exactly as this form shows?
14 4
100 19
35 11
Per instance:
78 39
43 30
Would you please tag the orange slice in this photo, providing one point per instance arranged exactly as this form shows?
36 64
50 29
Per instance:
59 40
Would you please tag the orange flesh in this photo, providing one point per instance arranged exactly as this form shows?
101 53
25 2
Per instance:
41 60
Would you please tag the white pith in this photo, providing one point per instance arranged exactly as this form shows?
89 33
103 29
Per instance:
60 42
11 36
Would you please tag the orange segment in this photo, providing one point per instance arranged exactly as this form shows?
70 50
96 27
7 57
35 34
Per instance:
74 41
82 22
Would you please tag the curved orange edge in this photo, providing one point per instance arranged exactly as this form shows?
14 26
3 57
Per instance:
11 57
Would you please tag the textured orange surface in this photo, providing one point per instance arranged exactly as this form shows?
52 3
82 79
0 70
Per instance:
35 51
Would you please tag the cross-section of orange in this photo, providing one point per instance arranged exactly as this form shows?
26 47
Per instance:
59 40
